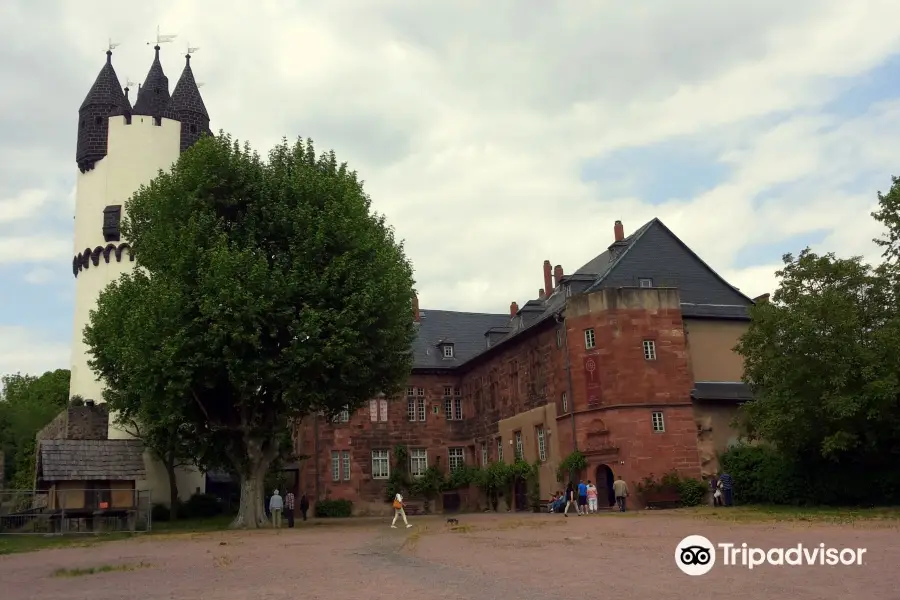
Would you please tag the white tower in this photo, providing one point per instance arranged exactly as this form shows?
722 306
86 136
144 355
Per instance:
119 149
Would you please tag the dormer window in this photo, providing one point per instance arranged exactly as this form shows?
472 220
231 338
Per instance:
447 350
645 282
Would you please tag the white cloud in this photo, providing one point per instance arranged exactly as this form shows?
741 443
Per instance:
41 275
470 121
29 351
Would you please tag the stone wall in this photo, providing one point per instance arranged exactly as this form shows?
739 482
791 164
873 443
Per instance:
78 423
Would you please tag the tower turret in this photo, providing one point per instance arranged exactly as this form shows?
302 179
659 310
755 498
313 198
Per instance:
104 97
187 107
153 96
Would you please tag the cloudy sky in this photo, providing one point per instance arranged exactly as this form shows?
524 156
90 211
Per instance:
494 135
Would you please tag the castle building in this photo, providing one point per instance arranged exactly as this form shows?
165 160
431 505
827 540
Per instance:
120 147
629 359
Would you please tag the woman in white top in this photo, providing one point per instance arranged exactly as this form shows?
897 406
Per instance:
398 511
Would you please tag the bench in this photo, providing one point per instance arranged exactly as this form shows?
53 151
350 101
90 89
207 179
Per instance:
545 506
414 508
662 499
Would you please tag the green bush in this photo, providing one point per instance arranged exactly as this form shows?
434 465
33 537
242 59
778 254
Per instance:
334 508
159 513
201 506
691 491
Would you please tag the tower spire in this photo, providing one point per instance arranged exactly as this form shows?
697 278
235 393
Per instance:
104 97
187 105
153 96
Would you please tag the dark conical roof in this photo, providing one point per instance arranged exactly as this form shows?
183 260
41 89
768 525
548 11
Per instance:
106 90
154 94
186 97
124 108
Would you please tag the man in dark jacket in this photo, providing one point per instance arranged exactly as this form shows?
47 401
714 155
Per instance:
304 505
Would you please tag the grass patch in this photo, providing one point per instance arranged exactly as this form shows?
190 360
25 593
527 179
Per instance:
795 514
99 569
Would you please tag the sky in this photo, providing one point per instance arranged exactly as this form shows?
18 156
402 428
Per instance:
493 135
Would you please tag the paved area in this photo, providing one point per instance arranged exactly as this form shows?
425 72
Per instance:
504 557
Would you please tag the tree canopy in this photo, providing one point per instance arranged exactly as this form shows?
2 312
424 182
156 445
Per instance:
823 361
27 404
263 291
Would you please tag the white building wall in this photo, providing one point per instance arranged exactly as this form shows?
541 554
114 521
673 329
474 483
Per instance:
135 154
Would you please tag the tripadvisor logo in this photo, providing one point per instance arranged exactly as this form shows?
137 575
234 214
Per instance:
696 555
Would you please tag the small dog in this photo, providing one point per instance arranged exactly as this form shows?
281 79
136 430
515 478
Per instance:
452 521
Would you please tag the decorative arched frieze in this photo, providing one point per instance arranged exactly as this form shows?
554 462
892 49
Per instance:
83 260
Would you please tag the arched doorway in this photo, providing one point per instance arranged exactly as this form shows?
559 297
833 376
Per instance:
605 479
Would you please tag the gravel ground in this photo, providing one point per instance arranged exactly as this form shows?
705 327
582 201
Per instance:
504 557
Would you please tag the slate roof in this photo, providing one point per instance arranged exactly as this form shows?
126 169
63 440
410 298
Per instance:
153 96
186 95
106 90
652 251
91 460
722 390
465 330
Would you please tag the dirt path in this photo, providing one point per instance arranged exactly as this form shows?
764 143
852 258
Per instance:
504 557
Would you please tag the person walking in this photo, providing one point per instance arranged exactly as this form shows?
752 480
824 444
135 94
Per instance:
304 505
289 508
276 505
620 490
399 512
582 498
714 489
727 484
570 500
592 497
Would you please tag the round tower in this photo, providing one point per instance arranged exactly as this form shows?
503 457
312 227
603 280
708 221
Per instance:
119 149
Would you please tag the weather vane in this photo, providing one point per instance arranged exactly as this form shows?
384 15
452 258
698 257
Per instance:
192 49
129 83
112 45
162 39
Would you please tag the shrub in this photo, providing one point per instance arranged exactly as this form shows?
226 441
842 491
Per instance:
159 513
334 508
201 506
691 491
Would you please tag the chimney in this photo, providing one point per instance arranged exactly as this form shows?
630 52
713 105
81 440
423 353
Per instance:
513 308
761 299
541 294
415 307
548 281
619 231
557 275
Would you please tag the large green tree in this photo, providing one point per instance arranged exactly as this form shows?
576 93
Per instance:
823 360
264 291
27 404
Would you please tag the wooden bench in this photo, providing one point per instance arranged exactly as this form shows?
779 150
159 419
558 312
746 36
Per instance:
414 508
545 506
662 499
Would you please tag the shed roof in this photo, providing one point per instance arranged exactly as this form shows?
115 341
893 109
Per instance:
91 460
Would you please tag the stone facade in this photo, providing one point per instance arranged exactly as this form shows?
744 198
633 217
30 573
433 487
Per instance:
88 422
600 362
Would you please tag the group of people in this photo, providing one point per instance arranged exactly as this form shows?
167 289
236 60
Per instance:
584 498
279 505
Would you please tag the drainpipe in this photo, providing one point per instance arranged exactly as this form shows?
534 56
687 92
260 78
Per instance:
316 441
560 319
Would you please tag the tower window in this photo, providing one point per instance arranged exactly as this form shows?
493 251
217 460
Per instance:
98 120
112 217
81 125
193 128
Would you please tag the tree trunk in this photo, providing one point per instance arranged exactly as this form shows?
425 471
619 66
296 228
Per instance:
173 489
252 512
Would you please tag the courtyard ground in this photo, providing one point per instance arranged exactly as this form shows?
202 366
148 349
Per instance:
520 557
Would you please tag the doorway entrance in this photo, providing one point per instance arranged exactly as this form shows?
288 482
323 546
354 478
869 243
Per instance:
605 479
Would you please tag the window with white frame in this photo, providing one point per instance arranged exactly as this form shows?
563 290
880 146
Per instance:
659 424
484 454
335 466
448 350
373 410
381 464
452 404
649 350
499 449
456 458
342 416
411 404
645 282
420 403
448 391
519 454
457 405
345 464
559 338
418 461
383 410
589 339
565 402
541 443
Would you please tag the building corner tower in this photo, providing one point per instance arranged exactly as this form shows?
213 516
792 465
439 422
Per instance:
120 148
